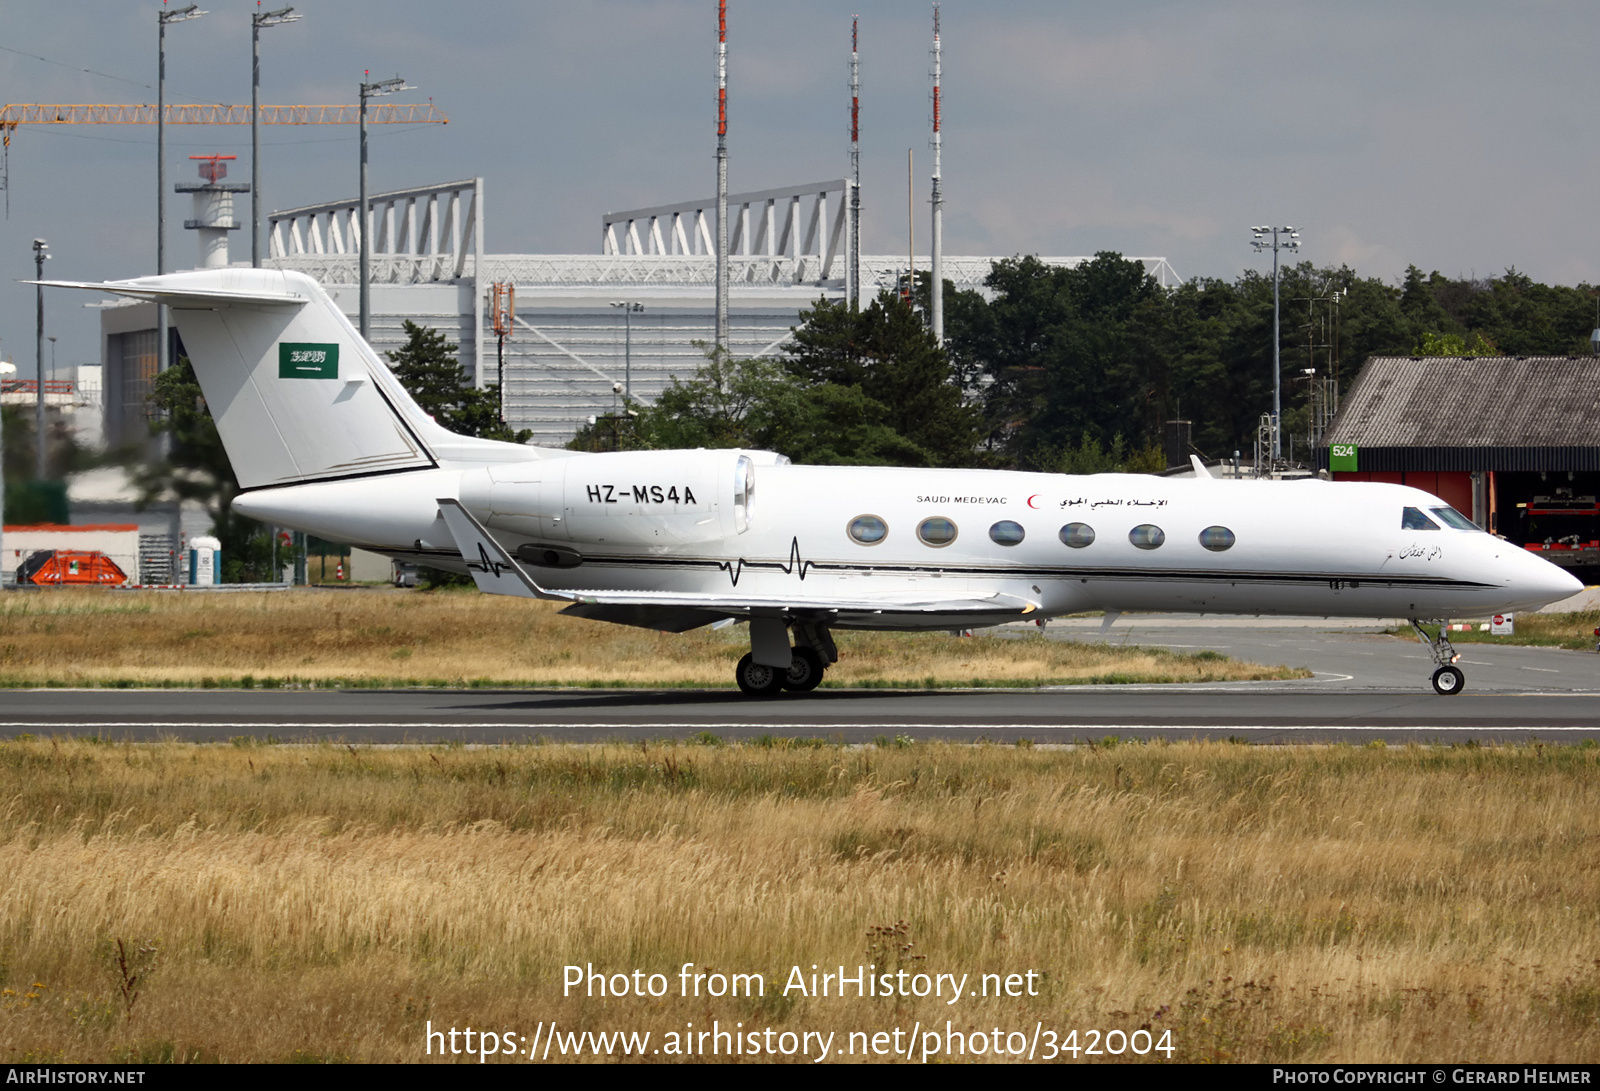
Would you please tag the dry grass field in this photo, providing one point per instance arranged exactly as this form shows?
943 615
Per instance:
387 637
277 903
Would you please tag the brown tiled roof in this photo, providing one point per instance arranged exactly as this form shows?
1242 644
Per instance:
1470 402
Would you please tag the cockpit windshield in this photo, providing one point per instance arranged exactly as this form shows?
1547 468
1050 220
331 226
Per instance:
1413 519
1454 518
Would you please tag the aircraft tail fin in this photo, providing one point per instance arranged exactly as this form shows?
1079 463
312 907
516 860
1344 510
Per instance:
296 393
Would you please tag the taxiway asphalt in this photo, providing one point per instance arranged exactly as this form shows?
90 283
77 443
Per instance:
1367 686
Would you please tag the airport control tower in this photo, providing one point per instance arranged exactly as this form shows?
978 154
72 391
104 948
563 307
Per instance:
213 209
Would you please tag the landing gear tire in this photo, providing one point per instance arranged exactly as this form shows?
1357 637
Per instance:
805 672
1448 681
758 679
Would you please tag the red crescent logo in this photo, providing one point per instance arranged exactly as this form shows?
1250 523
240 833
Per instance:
1031 500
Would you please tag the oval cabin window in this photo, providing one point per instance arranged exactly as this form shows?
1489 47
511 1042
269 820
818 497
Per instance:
1147 536
868 530
936 531
1077 535
1006 533
1217 539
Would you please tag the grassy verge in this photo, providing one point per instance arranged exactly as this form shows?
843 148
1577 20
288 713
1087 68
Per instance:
397 638
271 903
1572 631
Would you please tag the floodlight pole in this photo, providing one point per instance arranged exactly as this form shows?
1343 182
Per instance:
370 90
259 19
41 254
163 17
628 309
1290 241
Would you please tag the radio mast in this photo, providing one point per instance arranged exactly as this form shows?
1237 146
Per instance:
937 286
854 271
722 175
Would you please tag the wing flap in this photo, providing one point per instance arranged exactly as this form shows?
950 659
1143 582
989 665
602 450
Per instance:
895 603
664 619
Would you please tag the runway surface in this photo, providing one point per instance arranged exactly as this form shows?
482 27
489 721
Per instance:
1367 686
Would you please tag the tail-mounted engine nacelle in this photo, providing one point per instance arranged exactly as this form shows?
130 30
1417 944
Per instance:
664 498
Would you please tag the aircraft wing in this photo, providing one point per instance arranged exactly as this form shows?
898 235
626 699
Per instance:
496 573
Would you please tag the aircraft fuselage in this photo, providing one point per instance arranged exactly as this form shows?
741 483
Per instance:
1171 544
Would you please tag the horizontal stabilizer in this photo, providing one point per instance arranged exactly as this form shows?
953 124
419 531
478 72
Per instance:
178 297
491 566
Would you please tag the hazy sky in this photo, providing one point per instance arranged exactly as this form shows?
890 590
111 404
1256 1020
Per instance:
1452 135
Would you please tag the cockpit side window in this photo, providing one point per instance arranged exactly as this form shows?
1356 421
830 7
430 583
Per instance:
1454 518
1413 519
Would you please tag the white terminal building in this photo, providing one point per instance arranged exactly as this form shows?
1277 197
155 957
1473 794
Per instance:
638 311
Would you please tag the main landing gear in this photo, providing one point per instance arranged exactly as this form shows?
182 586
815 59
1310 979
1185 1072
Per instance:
1448 680
758 673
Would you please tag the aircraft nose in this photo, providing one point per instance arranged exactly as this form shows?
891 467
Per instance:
1537 580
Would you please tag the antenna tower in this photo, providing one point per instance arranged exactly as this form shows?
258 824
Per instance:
854 270
503 304
722 175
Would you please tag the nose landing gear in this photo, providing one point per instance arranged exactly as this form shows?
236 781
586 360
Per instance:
1448 680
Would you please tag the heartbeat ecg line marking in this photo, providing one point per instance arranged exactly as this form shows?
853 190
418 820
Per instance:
794 564
486 564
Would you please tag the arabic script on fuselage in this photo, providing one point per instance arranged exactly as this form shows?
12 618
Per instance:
1113 502
1420 552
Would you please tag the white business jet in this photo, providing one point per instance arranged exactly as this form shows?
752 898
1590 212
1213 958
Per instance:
325 440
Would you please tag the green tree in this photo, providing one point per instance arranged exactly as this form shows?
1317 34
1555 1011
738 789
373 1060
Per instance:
1069 353
860 388
1090 457
728 402
879 388
427 367
1512 314
27 500
33 501
755 403
1419 302
1453 344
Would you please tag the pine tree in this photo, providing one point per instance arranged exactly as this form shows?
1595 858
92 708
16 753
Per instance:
427 367
905 385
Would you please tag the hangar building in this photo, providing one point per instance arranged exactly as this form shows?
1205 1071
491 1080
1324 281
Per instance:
572 334
1512 441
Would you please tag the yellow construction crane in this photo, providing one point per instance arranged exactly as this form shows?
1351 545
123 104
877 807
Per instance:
121 114
129 114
